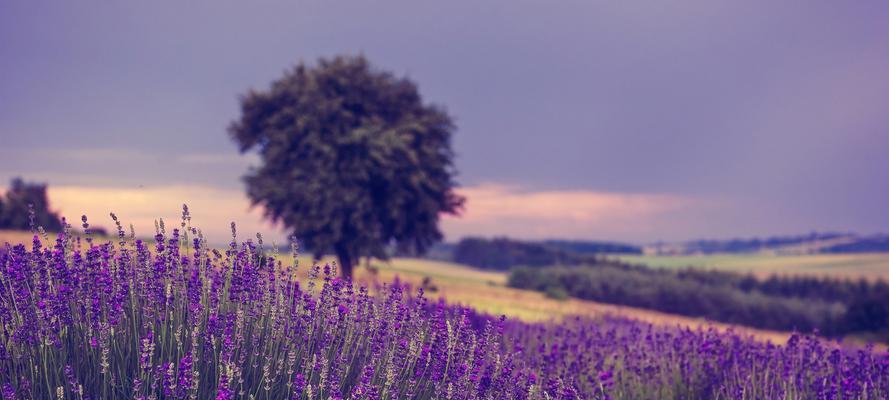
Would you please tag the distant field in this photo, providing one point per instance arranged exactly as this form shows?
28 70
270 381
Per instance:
486 291
14 237
865 265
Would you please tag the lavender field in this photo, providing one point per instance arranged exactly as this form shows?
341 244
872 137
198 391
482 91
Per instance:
174 319
454 200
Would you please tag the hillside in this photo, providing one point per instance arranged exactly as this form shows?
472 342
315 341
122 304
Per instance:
813 243
486 291
871 266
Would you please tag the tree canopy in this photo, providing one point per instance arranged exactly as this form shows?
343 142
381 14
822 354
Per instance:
15 212
352 159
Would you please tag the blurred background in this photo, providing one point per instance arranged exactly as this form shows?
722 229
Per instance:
663 133
637 122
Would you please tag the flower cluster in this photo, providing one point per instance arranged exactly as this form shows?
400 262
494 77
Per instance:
620 358
176 319
139 321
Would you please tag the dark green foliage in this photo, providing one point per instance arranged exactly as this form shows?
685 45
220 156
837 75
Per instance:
869 313
556 292
589 247
14 209
879 243
503 253
352 159
834 307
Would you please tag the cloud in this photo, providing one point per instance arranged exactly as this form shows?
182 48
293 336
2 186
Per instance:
212 208
493 210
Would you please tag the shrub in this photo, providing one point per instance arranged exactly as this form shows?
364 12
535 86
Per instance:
503 253
696 294
556 292
26 205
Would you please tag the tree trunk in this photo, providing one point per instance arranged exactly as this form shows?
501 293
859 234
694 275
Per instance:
345 261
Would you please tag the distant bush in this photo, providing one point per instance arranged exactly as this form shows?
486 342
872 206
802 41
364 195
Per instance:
590 247
862 245
556 292
503 253
98 231
834 307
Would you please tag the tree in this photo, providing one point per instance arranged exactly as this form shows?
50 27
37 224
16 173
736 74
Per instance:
352 159
14 210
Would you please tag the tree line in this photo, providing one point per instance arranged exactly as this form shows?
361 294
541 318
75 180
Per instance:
594 247
872 244
834 307
756 244
504 253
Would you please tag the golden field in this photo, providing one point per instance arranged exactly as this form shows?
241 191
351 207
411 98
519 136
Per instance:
869 266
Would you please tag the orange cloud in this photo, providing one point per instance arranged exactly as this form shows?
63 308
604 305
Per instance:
212 209
493 210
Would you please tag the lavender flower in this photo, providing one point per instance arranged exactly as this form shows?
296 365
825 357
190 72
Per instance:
181 320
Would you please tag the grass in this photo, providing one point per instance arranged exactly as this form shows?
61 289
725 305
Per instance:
863 265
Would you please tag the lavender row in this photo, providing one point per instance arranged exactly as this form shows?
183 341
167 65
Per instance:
620 358
176 319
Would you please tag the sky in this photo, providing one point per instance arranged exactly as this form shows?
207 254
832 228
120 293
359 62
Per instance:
631 121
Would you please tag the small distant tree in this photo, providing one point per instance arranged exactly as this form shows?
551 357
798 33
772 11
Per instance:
15 212
352 159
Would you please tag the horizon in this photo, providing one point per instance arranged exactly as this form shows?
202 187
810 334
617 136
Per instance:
98 221
624 122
